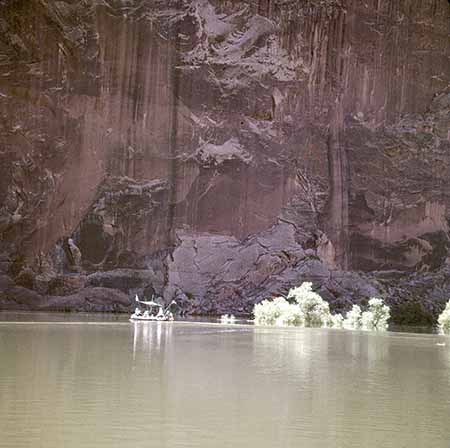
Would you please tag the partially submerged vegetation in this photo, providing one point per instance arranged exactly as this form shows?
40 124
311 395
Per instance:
227 319
444 320
305 308
412 313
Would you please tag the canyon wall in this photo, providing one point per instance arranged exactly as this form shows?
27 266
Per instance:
220 151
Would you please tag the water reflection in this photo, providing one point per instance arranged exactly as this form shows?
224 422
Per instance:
150 337
355 389
165 384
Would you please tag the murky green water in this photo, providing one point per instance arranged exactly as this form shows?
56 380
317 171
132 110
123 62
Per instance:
118 384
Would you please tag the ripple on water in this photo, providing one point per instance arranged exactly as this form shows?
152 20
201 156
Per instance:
187 385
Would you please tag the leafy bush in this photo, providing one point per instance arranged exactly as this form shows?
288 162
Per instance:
353 320
315 310
411 313
291 317
227 319
310 310
277 312
377 316
444 320
337 321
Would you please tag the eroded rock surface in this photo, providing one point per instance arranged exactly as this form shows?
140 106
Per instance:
221 152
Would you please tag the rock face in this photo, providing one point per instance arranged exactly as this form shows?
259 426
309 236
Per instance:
222 151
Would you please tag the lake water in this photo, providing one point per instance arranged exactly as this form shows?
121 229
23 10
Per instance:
112 383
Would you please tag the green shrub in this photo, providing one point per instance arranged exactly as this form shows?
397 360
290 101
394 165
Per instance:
376 318
353 319
310 310
444 320
315 310
411 312
277 312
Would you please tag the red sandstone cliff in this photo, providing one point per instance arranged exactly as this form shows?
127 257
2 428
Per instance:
222 149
